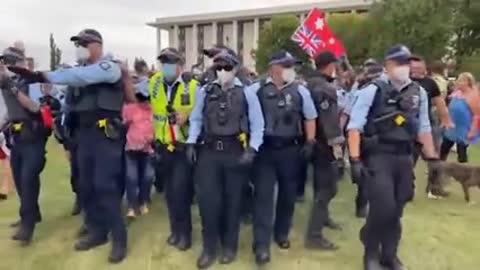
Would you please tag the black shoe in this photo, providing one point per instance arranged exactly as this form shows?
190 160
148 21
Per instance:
173 240
184 243
320 243
83 231
262 257
361 211
228 257
90 241
76 210
205 260
3 197
118 253
333 225
283 244
394 264
16 224
23 235
372 263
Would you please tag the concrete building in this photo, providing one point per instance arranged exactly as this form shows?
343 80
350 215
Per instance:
238 30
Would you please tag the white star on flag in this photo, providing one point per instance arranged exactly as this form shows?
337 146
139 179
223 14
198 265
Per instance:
319 23
331 41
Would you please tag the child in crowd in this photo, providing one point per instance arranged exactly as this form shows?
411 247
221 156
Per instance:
139 171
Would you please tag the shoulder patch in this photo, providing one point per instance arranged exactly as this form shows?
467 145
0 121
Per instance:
105 66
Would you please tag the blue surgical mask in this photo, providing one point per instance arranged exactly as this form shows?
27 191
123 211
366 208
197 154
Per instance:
169 71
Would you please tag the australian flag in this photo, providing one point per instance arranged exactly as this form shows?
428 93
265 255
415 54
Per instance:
308 40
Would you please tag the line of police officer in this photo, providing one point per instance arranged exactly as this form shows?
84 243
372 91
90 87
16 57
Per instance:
230 127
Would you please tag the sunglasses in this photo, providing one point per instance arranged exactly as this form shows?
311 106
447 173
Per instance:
222 67
169 61
81 43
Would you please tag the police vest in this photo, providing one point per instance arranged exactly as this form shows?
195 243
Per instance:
181 100
394 115
102 96
282 110
225 112
15 111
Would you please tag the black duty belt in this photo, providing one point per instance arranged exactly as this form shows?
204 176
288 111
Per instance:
279 142
399 148
223 144
90 119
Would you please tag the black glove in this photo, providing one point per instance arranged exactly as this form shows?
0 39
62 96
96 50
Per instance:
247 157
29 76
339 167
191 153
357 171
307 150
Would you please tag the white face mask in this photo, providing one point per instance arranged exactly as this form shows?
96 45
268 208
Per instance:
401 74
225 77
288 75
82 54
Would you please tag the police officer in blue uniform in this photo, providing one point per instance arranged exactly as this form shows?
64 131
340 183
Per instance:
230 119
288 109
28 134
95 102
387 118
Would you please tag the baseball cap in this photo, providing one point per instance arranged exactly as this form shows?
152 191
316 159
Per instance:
370 62
283 57
373 71
12 54
324 58
170 55
226 57
89 36
399 53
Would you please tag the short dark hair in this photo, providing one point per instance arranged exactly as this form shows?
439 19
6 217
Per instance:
417 58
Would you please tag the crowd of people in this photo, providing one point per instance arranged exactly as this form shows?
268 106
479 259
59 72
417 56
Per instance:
240 146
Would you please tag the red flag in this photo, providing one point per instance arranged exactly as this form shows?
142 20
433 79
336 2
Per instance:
314 35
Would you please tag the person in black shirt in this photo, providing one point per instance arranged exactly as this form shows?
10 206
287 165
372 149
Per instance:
418 73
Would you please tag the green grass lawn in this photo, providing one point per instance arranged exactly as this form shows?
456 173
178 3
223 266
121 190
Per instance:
438 235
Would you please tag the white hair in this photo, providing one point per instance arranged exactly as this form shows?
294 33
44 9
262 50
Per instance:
19 45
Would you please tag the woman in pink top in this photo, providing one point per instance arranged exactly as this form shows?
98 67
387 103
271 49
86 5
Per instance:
139 169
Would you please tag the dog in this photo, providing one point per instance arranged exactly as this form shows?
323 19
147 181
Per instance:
467 175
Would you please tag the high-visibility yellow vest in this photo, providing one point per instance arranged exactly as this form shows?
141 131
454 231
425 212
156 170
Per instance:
159 101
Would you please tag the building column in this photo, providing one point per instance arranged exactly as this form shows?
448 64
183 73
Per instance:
159 40
175 36
195 43
234 44
256 31
214 33
302 17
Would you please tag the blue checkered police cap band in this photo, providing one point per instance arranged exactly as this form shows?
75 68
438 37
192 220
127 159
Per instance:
399 53
282 57
12 54
88 35
226 57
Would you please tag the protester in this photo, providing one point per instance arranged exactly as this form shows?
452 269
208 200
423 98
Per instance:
6 182
464 109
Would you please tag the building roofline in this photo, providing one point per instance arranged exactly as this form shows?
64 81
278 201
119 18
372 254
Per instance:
332 5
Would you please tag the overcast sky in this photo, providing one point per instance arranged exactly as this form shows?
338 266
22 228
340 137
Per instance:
121 22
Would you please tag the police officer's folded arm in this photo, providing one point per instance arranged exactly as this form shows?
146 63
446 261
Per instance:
256 120
425 128
196 117
101 72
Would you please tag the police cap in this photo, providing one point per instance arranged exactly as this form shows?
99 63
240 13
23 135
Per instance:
212 52
12 55
88 36
170 55
283 57
227 58
399 53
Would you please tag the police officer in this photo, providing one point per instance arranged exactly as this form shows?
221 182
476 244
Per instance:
387 117
371 72
328 150
288 108
28 133
172 96
227 114
96 102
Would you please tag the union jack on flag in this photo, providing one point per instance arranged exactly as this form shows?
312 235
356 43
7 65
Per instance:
308 40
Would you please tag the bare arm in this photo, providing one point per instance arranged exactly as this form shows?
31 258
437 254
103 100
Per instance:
474 104
442 112
354 143
310 129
